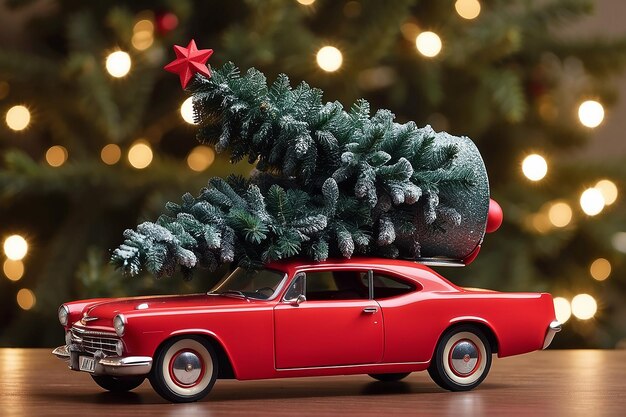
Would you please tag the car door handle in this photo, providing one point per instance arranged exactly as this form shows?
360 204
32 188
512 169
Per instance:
370 310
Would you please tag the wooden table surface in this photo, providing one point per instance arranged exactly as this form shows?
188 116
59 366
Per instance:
554 382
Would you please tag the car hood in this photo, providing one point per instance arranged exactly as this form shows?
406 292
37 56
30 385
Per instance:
107 309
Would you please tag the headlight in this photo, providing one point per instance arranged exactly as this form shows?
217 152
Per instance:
64 312
119 324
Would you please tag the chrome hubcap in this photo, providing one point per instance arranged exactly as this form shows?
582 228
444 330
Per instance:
464 357
186 368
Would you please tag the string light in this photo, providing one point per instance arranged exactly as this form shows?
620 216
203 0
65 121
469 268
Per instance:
140 154
534 167
143 25
428 44
143 35
591 113
560 214
13 270
111 154
562 309
18 118
540 222
15 247
186 111
26 299
410 31
592 201
200 158
467 9
329 58
600 269
608 190
306 2
584 306
118 64
619 241
56 156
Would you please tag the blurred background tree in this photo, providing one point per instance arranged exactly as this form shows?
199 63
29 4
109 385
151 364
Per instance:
97 137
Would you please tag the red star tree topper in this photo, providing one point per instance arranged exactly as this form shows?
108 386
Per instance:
189 61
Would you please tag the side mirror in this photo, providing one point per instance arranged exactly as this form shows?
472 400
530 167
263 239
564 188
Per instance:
298 300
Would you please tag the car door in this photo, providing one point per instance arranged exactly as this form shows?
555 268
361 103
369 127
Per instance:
337 325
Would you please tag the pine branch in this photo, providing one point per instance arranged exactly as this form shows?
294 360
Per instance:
331 182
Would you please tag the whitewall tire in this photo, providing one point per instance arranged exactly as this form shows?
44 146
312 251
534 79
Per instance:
185 369
462 359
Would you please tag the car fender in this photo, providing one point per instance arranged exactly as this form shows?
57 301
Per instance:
479 320
212 335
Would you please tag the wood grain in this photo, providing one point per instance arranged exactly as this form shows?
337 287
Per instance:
556 383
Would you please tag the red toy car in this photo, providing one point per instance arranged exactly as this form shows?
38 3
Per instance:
382 317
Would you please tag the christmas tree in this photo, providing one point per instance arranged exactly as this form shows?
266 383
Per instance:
500 72
330 182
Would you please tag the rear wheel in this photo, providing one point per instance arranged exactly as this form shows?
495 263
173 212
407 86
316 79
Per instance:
390 377
185 369
118 384
462 359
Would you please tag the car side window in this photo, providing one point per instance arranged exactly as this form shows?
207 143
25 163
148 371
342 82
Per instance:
336 285
296 288
386 286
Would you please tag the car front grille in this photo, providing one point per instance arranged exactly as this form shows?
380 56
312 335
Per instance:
91 341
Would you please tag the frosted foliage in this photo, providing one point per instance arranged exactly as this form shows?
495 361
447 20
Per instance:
329 182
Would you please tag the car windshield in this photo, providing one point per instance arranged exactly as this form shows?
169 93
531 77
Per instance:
250 283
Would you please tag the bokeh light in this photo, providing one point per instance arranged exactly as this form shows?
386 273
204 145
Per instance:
118 64
409 31
306 2
15 247
562 309
200 158
186 111
592 201
13 270
329 58
608 190
600 269
619 241
26 299
143 34
584 306
534 167
143 25
140 154
467 9
56 156
111 154
428 44
18 118
560 214
591 113
540 222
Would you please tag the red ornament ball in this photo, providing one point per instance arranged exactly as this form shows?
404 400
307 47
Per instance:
165 22
494 216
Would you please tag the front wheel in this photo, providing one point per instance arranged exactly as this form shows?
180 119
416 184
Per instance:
185 369
462 359
118 384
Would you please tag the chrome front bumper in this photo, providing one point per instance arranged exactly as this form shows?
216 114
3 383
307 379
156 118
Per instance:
111 365
553 329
